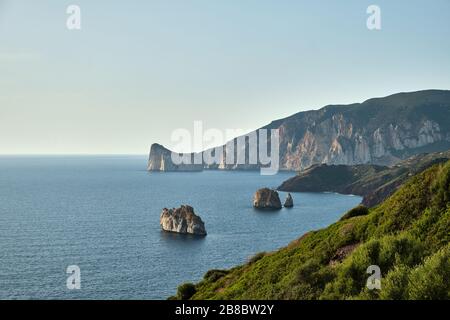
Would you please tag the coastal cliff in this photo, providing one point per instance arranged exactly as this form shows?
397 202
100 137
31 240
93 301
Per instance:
374 183
379 131
160 160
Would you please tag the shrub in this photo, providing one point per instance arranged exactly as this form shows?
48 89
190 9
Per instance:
312 272
442 186
401 249
186 291
386 253
214 275
355 212
430 281
395 285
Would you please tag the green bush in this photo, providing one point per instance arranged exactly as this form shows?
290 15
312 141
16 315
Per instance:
186 291
442 186
386 253
214 275
313 273
395 285
431 281
401 249
355 212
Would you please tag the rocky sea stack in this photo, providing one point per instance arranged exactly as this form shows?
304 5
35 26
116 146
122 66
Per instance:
266 199
289 202
182 220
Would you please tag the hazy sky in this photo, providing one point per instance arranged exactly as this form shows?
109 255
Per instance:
137 70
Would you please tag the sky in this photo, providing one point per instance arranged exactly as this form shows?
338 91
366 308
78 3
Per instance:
138 70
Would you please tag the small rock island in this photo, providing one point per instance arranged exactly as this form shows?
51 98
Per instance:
182 220
289 202
266 199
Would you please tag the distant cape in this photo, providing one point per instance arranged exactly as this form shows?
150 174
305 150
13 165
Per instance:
379 131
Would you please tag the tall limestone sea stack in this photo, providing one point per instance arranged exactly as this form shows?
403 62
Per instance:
379 131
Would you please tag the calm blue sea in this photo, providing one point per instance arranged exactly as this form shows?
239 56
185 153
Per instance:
102 214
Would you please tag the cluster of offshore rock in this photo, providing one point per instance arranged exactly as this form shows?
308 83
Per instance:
268 199
184 220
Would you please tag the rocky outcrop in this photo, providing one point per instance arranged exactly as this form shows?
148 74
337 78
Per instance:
289 202
266 199
379 131
160 159
182 220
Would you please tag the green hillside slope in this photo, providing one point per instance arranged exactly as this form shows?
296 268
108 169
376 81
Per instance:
407 236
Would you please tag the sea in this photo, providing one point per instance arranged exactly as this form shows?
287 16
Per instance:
101 215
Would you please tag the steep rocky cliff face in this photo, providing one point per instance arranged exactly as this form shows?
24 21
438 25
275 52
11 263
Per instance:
160 159
378 131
